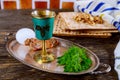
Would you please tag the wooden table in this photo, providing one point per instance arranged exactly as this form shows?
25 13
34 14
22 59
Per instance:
12 69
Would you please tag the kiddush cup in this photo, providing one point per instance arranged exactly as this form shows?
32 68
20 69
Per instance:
43 21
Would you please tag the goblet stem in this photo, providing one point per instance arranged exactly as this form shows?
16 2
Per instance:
43 56
46 57
44 52
43 48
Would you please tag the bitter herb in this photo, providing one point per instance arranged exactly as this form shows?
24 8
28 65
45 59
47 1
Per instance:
75 59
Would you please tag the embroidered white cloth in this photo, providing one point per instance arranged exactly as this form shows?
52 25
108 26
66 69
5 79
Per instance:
117 59
109 10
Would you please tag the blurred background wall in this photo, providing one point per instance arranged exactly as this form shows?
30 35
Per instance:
36 4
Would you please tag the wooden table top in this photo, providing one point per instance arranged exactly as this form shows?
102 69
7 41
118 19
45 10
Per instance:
12 69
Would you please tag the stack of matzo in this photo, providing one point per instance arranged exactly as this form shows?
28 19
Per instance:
66 25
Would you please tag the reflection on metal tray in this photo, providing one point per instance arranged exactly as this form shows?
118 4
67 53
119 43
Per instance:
25 55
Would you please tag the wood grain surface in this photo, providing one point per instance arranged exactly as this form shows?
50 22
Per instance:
12 69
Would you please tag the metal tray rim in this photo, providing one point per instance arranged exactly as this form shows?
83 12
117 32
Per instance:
56 72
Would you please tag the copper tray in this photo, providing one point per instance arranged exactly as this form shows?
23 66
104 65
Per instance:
25 55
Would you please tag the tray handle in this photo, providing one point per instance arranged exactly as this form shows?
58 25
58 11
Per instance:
104 68
9 35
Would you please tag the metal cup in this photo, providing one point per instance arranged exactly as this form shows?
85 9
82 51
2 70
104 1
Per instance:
43 21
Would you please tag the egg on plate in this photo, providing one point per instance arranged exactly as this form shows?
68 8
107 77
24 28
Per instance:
23 34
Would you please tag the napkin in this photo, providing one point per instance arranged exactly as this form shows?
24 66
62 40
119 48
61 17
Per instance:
117 59
108 10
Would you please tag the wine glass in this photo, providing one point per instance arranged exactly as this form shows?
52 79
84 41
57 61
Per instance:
43 21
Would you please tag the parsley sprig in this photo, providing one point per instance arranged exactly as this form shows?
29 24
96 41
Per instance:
75 59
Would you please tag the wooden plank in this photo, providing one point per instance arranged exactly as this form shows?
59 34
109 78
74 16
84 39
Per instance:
41 5
68 5
26 4
54 4
10 5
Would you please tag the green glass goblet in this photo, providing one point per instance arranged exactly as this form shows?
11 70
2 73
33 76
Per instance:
43 21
